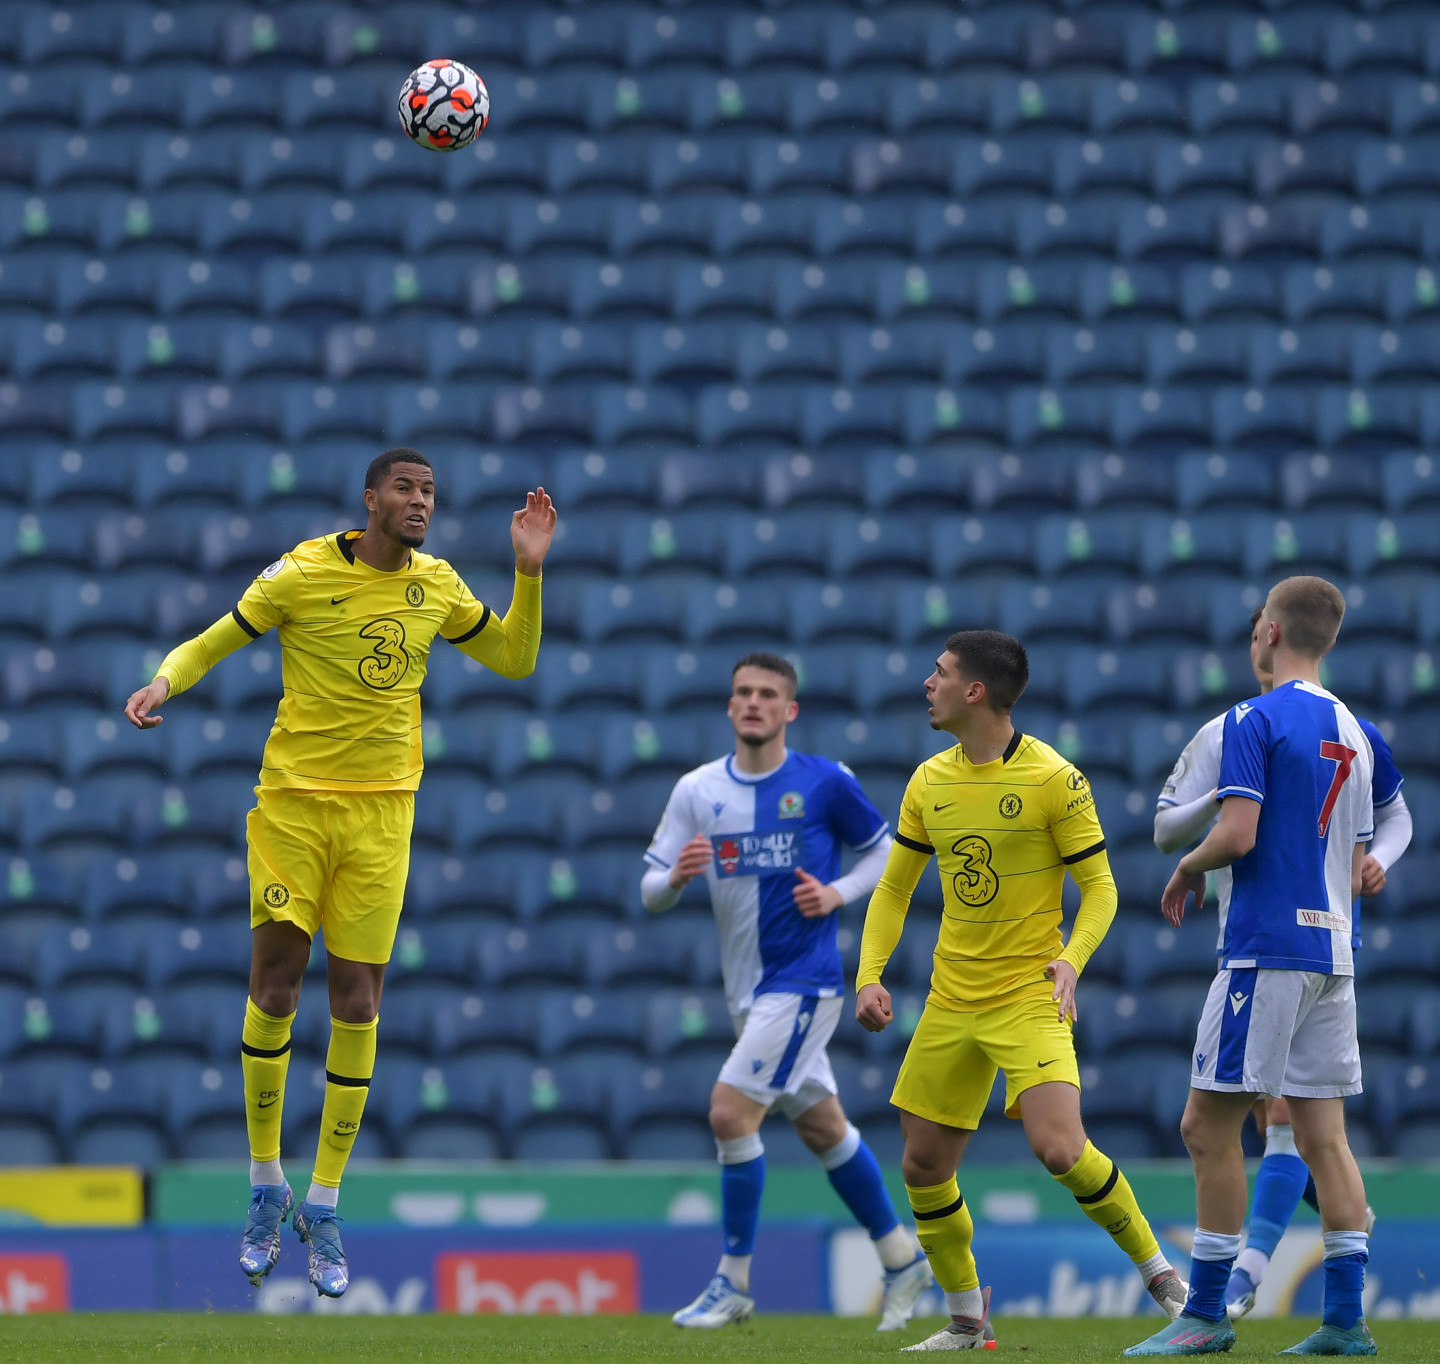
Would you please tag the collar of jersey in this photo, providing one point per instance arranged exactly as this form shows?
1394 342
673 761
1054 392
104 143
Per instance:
342 542
1013 747
752 778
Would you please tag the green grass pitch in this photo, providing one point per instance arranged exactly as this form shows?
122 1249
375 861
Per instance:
344 1340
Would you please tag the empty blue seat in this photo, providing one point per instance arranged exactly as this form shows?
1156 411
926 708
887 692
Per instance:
1155 954
556 1111
1066 544
1049 610
549 953
817 612
1113 677
681 1021
660 1110
196 955
442 1111
485 1024
1125 1021
570 1023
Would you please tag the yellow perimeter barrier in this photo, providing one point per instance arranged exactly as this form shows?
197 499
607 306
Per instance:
72 1196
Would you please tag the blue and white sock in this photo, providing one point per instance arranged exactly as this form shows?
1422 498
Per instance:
1211 1259
1279 1185
1346 1254
855 1176
742 1182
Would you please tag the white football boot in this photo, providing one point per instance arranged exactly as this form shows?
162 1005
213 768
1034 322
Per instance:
719 1305
962 1334
1170 1291
903 1288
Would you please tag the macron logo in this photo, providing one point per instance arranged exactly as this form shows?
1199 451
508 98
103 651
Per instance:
1237 1002
1242 710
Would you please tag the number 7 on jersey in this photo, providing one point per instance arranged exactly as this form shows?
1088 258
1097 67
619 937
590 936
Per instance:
1342 757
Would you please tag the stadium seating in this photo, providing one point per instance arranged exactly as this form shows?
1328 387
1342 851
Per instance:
831 330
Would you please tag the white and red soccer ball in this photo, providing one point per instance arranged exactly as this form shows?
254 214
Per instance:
444 105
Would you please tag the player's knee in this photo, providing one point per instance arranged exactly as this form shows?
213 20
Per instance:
354 1001
1058 1152
922 1169
1200 1135
726 1123
1320 1148
275 997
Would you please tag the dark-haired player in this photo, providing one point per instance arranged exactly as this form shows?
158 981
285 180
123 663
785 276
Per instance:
1006 816
765 826
329 838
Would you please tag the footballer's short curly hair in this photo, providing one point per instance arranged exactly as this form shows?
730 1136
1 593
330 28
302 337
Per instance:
382 464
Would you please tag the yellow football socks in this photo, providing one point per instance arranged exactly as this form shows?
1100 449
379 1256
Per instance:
349 1064
942 1221
264 1059
1106 1198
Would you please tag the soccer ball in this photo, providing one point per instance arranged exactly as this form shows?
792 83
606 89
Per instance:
444 105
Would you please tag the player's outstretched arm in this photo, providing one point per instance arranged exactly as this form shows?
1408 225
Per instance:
186 664
532 529
139 708
509 645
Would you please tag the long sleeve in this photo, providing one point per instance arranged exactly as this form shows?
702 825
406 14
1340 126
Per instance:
865 875
889 904
656 892
1178 826
1393 830
508 645
187 663
1098 900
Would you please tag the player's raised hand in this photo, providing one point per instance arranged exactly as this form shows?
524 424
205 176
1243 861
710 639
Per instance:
532 528
139 706
1182 885
872 1008
694 857
1372 876
1064 975
813 898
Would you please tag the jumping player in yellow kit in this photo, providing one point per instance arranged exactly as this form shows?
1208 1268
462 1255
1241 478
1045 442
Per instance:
329 838
1006 817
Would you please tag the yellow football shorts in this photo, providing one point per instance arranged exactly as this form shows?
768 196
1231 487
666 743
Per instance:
332 860
949 1068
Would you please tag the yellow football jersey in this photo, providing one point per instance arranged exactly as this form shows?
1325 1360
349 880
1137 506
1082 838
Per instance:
1003 833
355 642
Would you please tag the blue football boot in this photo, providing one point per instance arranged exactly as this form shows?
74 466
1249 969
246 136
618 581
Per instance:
270 1205
1187 1335
1333 1340
319 1228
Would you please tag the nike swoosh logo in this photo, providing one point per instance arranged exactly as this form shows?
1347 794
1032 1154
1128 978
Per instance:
1050 1062
261 1103
335 601
946 806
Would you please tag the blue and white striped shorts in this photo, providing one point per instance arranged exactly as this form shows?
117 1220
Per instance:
1289 1033
780 1059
